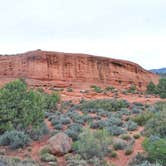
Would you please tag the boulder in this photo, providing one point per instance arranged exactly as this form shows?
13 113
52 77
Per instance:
60 144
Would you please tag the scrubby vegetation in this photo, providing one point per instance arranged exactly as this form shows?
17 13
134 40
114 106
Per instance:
99 129
159 89
22 113
91 144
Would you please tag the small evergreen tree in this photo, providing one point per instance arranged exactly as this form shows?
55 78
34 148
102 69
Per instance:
20 109
151 88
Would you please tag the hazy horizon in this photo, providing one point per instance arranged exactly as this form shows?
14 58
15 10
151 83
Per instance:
130 30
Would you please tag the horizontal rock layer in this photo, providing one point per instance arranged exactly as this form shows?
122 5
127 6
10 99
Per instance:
66 69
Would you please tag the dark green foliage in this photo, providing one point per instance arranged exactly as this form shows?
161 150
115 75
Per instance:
159 89
151 88
105 104
97 89
50 101
20 108
14 139
109 88
132 89
156 125
92 144
156 148
142 118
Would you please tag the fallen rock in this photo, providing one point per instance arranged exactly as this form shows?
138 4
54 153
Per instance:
60 144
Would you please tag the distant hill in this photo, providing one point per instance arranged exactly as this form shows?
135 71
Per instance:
159 71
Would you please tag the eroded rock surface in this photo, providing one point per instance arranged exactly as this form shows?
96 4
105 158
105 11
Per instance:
44 68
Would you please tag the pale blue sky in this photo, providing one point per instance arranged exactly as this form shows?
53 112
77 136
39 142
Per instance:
125 29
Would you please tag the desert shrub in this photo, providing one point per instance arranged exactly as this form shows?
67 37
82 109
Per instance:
105 104
136 110
97 89
141 160
69 89
58 126
126 137
128 150
86 118
160 106
72 134
11 161
142 118
161 87
125 111
151 88
98 124
91 144
20 108
119 144
65 120
136 136
14 139
46 156
113 154
156 125
115 130
130 125
73 131
114 121
109 88
132 89
37 133
50 101
73 160
156 149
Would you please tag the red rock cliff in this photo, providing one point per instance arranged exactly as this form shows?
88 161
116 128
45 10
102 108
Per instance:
55 69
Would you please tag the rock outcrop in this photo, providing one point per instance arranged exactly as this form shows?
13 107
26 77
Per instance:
60 144
44 68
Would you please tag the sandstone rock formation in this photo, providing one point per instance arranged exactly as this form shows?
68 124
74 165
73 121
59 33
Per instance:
56 69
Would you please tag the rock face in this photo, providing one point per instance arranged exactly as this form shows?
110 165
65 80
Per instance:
43 68
60 144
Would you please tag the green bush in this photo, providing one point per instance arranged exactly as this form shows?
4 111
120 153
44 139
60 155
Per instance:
119 144
97 89
46 156
20 108
92 143
115 130
37 133
50 101
105 104
159 89
132 89
142 118
156 149
131 126
151 88
156 125
14 139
